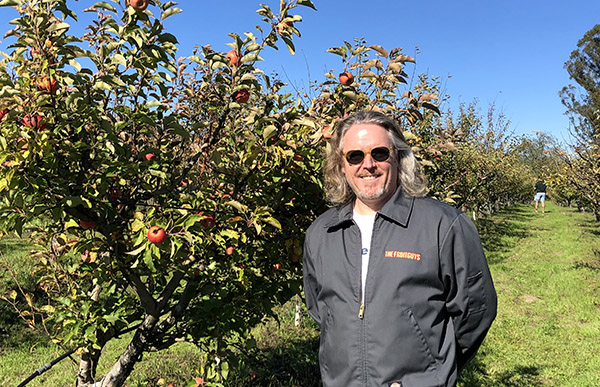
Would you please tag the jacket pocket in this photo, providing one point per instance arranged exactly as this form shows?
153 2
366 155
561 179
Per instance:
419 334
400 348
476 291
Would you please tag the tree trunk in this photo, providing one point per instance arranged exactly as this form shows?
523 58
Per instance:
87 368
122 368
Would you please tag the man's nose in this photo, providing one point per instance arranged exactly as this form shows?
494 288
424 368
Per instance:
368 162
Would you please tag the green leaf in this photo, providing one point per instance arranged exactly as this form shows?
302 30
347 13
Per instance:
101 85
380 50
48 308
252 57
119 59
149 259
170 12
237 205
289 44
306 3
136 251
9 3
267 132
58 26
74 201
75 64
105 6
272 221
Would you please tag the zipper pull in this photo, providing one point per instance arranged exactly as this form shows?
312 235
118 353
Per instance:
361 312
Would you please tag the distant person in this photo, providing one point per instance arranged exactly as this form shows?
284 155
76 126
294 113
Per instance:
397 282
540 194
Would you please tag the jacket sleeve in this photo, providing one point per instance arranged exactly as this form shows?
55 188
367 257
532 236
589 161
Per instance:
471 297
311 285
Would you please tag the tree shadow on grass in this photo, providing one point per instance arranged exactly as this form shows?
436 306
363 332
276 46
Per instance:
591 226
501 232
475 375
295 364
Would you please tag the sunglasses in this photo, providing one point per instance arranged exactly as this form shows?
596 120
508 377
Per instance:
380 154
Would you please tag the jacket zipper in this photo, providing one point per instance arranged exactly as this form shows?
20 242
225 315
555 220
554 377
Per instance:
361 311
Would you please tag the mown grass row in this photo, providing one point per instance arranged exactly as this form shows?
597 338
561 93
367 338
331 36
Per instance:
546 270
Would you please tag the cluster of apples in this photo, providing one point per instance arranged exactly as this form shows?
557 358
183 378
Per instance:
242 95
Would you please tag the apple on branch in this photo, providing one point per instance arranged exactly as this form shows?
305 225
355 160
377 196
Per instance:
233 57
139 5
157 235
346 78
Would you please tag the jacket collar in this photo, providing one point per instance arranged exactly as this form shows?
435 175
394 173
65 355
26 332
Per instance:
398 209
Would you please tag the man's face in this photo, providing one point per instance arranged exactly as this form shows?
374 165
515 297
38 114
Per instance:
373 182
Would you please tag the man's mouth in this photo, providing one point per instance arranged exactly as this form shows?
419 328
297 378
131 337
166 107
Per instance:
369 177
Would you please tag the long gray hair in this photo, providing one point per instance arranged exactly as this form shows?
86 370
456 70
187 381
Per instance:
410 176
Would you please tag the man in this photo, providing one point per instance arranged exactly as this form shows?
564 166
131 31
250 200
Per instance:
540 194
398 283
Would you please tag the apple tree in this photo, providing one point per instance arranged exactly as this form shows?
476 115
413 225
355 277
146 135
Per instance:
168 192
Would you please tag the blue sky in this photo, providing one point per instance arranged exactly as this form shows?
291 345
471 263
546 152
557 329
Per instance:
509 52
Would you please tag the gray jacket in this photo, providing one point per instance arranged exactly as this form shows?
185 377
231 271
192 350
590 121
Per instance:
429 296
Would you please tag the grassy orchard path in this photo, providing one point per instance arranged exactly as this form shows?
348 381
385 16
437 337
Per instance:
546 269
547 273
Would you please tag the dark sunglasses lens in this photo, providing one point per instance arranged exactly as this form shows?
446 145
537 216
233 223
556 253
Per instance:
355 156
380 154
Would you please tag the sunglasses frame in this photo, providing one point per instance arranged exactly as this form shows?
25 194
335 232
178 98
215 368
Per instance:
368 152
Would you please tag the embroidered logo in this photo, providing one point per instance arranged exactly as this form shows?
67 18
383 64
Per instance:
365 251
402 255
396 384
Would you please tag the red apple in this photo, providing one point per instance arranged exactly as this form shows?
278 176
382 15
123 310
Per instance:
3 112
34 122
208 221
47 84
87 224
149 156
157 235
233 58
346 78
138 5
241 95
229 250
277 266
280 26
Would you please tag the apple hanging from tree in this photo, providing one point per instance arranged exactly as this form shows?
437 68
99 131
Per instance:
157 235
241 95
34 122
87 224
346 78
139 5
207 221
281 26
229 250
233 58
48 85
149 156
3 113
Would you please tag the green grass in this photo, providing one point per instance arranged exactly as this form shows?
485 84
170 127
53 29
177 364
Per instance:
546 269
